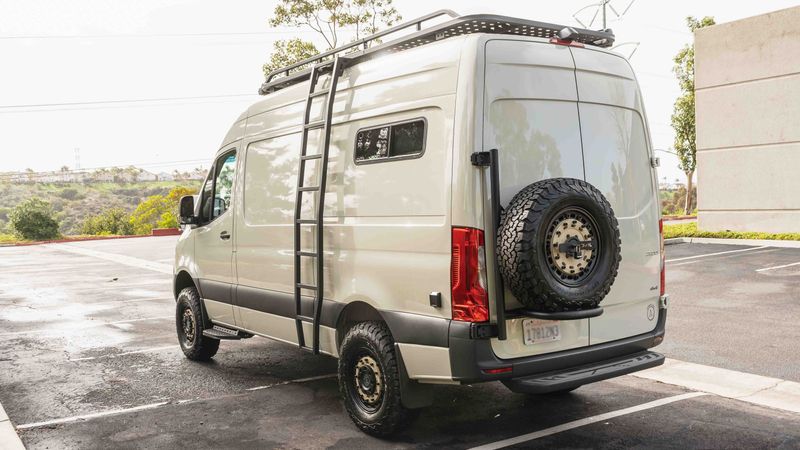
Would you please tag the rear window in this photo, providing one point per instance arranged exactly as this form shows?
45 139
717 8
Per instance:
392 141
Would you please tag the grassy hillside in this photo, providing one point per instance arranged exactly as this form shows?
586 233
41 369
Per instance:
73 202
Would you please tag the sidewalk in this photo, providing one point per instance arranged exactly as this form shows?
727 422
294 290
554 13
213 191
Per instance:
9 440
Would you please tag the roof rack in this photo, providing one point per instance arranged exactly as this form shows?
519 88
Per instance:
458 25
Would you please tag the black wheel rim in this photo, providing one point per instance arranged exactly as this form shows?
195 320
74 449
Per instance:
188 328
366 385
572 246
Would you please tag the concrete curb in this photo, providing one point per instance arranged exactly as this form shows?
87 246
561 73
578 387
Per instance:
91 238
760 390
753 242
9 439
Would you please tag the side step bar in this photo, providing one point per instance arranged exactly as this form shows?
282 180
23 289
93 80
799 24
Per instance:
222 333
572 378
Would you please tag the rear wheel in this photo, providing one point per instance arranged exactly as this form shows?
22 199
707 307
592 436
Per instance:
369 380
189 324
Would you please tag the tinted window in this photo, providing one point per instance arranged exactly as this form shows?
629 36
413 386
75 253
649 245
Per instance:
390 141
372 144
408 138
205 207
223 184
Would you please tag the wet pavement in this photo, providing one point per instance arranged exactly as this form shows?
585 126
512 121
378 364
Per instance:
89 359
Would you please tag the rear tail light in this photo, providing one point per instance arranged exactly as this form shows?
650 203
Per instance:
467 279
663 257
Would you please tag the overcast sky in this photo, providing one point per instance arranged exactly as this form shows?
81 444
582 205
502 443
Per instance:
204 58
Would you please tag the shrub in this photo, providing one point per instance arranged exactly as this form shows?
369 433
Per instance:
33 219
69 194
112 221
690 230
159 211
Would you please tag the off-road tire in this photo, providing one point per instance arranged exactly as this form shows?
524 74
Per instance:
196 347
521 252
372 339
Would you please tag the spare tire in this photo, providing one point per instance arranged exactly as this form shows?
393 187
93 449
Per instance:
558 246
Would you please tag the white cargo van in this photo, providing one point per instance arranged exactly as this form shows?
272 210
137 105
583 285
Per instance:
473 201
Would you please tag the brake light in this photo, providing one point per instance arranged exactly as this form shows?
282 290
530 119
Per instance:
469 301
568 42
663 257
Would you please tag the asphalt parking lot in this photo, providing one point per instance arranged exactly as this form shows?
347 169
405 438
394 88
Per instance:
89 359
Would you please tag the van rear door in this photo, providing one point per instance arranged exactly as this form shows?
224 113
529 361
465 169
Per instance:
617 158
531 117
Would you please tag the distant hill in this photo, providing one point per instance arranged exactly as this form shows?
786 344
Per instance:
73 202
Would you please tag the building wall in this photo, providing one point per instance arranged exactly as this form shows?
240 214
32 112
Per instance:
747 84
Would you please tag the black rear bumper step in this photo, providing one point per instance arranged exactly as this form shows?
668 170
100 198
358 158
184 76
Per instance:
590 373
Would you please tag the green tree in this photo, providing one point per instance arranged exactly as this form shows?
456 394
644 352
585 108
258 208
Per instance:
683 116
159 211
328 18
113 221
34 219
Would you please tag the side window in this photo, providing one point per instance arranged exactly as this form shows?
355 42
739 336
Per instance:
223 184
217 192
205 197
393 141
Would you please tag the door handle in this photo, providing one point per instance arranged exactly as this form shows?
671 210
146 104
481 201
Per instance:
224 236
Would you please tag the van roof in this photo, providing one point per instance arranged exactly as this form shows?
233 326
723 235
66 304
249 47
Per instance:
456 26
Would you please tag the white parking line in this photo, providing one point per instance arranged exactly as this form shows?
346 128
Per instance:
81 327
117 355
717 253
90 416
115 412
695 261
67 304
778 267
587 421
300 380
115 257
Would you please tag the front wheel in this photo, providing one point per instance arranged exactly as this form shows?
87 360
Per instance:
369 380
189 324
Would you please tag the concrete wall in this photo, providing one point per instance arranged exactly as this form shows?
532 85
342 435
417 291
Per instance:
747 82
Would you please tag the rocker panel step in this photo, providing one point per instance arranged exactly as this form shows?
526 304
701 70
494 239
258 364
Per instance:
223 333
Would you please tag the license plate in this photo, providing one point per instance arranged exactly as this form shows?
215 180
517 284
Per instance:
537 331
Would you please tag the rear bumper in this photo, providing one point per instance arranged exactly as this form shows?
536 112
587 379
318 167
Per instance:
569 379
470 358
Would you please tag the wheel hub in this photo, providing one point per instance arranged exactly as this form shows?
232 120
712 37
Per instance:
571 245
187 323
368 380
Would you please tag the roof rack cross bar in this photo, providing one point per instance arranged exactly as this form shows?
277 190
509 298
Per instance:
457 26
360 42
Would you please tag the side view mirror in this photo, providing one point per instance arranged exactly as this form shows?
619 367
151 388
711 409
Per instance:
187 210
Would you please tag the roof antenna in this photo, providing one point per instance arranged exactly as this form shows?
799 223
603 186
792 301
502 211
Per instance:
601 6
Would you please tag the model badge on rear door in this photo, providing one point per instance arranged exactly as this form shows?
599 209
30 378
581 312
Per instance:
651 312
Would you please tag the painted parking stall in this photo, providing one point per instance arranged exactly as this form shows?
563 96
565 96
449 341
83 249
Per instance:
99 363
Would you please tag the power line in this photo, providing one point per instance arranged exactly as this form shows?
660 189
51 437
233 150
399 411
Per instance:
154 35
137 100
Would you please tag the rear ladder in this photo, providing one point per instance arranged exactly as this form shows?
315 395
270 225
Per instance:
334 67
